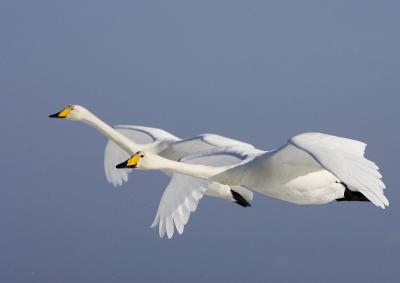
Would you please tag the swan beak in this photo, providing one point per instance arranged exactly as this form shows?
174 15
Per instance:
130 163
62 114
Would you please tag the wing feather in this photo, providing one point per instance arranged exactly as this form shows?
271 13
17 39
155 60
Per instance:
199 143
143 135
345 159
183 193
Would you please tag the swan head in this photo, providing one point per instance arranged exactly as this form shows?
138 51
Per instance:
71 112
143 160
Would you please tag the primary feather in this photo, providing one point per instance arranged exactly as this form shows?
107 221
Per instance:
183 193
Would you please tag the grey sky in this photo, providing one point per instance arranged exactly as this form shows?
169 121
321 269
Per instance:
258 71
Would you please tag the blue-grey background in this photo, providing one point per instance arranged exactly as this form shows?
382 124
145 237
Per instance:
258 71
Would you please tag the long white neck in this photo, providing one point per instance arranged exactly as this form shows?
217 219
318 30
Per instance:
194 170
127 144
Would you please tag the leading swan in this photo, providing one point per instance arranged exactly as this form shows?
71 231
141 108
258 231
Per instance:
312 168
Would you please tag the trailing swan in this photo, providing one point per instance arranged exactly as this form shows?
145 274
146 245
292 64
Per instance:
125 140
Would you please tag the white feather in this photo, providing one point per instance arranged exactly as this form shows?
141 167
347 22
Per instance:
344 158
183 193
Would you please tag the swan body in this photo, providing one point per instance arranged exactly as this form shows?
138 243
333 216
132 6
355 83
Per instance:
312 168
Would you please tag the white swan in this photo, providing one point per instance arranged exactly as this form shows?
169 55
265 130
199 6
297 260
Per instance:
125 140
312 168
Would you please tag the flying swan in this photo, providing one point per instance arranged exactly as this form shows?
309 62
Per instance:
125 140
312 168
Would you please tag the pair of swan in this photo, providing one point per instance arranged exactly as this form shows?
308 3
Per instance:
312 168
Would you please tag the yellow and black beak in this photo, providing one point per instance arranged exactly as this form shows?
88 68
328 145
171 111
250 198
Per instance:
130 163
62 114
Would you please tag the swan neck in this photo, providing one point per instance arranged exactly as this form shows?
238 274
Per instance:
112 134
194 170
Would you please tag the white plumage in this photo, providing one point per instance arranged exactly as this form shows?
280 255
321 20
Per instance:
184 192
312 168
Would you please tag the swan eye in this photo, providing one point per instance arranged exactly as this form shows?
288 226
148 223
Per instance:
142 156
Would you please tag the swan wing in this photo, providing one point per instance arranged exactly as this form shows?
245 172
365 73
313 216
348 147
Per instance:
179 199
198 143
143 135
183 193
114 154
345 159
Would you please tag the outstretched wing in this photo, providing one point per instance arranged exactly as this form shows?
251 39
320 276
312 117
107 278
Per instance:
345 159
183 193
179 199
114 154
202 142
